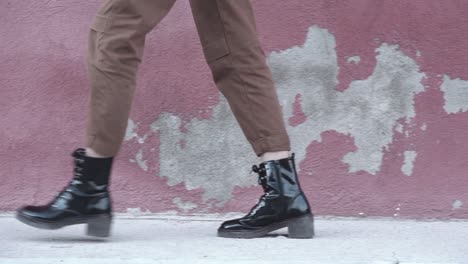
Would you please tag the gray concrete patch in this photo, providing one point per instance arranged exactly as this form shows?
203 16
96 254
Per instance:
368 111
455 95
407 167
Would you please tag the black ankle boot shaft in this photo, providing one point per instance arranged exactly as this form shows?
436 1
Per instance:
283 194
283 204
89 169
86 199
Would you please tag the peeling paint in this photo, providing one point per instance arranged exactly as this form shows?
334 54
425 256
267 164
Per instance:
455 95
139 160
135 212
141 140
457 205
407 167
184 206
354 59
367 111
424 127
131 133
407 133
399 128
195 165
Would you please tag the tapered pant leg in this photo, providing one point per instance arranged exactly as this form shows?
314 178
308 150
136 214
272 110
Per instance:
116 43
228 35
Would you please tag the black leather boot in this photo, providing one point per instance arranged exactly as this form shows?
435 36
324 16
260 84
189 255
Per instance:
283 205
85 200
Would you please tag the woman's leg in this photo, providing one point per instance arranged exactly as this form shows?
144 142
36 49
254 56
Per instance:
228 35
115 48
116 44
232 50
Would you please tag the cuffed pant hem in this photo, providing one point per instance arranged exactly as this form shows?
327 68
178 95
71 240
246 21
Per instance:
102 147
271 143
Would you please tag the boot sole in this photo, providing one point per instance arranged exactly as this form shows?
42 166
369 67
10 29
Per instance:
301 228
98 225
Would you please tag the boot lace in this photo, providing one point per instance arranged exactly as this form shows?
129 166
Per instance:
78 168
77 175
262 181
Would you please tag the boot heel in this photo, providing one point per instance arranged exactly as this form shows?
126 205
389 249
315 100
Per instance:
302 227
99 226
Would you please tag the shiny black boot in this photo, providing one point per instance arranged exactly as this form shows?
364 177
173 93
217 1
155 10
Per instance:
283 205
85 200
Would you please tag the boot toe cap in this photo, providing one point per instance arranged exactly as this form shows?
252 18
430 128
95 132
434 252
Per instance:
38 212
234 225
229 225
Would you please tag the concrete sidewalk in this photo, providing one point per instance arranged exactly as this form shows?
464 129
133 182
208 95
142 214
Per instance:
177 239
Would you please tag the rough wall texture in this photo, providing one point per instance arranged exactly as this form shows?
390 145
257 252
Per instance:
375 95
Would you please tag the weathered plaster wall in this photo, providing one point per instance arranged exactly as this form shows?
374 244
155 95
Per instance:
375 95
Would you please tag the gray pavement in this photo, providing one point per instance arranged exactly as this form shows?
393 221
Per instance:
172 239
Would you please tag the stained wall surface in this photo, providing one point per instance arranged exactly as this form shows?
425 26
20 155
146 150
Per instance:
374 95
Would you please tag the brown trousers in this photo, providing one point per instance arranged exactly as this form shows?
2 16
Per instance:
231 48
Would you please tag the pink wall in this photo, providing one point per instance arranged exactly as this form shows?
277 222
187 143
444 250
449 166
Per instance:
375 94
